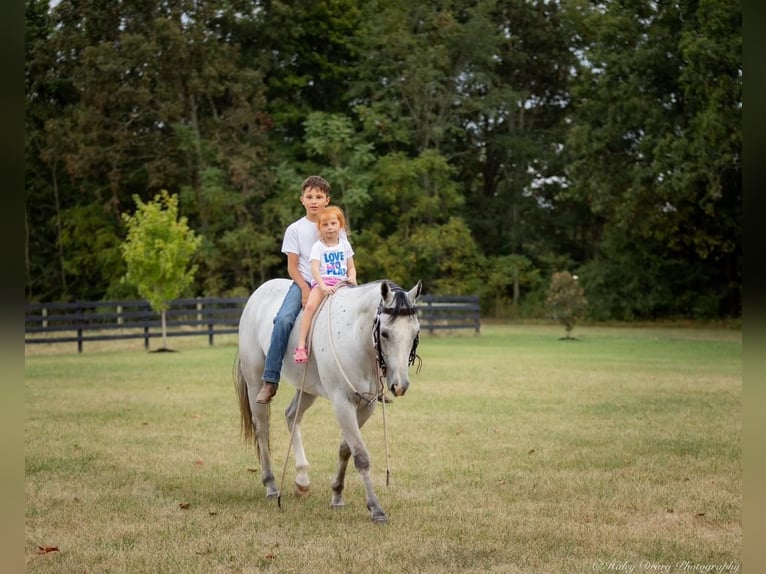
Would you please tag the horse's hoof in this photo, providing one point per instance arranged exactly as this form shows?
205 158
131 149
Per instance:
302 491
379 517
337 505
272 492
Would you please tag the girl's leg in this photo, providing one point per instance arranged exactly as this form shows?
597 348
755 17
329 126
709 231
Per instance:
305 325
315 296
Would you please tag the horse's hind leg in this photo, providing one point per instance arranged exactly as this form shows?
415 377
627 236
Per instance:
261 424
254 418
294 414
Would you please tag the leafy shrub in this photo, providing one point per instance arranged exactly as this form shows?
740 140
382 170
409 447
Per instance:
566 301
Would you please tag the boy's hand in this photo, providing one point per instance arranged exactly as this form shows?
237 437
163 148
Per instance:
305 295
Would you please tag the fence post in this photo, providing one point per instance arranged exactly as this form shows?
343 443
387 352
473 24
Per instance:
430 314
80 311
119 315
210 329
146 337
45 321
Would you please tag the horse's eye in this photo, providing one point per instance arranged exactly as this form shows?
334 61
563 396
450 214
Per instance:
384 334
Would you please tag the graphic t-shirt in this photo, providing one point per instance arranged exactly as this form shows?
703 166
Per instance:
333 261
299 238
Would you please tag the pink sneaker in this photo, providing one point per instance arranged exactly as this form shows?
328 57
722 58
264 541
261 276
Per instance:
300 355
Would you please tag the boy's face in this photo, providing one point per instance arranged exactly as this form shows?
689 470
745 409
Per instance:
314 200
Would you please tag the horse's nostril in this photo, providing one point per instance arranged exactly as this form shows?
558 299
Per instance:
398 390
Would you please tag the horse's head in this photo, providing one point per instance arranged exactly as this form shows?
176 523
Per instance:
395 334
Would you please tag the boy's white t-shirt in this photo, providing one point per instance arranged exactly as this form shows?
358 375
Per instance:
299 238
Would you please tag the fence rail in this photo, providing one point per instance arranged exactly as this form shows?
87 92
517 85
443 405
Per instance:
83 321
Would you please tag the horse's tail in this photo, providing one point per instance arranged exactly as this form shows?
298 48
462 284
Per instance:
245 414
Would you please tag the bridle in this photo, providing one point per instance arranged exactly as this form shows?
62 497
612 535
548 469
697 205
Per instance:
397 311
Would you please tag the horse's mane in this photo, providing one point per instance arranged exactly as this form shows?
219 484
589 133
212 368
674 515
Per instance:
400 298
401 304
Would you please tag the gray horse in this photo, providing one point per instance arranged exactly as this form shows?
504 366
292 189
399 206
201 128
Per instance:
362 337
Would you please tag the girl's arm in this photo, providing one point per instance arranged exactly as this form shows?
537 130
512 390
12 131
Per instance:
316 273
351 270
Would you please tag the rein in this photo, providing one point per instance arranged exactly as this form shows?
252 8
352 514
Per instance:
358 394
380 362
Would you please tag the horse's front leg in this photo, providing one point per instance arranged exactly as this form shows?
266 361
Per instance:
339 481
350 420
294 414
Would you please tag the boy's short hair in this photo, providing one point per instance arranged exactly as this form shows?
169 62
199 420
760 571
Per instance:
316 181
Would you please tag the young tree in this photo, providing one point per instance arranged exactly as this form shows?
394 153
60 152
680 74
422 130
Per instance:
158 251
566 301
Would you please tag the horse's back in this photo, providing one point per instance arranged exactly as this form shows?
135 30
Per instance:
257 317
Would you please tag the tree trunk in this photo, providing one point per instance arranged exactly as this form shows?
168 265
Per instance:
164 332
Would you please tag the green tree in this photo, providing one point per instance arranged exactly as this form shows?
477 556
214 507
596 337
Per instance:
482 87
158 252
413 222
406 93
594 135
308 50
516 101
129 98
348 157
655 140
503 278
566 300
48 93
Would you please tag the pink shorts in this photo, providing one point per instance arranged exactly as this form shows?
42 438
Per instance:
329 281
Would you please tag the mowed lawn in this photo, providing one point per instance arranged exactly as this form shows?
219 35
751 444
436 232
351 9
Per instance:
513 451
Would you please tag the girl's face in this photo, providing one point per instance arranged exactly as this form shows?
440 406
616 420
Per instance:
330 227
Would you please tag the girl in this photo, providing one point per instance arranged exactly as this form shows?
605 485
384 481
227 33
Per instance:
332 262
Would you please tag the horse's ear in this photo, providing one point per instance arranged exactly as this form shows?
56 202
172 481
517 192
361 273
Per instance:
385 291
414 293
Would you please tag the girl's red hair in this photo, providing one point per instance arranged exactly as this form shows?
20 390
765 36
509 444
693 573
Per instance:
329 212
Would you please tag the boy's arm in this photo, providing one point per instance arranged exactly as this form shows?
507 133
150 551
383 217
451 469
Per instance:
295 275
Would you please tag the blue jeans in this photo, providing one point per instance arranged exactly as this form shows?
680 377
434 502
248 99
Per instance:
283 326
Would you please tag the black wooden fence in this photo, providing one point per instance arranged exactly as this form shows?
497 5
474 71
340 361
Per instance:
83 321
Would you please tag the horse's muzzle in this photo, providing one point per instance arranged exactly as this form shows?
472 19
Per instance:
398 390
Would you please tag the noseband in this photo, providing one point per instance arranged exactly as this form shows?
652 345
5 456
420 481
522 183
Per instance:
401 308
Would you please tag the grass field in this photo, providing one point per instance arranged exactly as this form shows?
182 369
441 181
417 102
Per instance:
513 451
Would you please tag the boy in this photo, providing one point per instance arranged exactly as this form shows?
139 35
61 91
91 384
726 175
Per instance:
299 237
